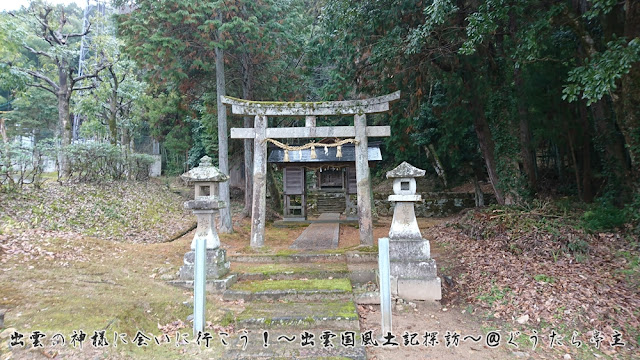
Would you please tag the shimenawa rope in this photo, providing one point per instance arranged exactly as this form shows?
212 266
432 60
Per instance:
311 146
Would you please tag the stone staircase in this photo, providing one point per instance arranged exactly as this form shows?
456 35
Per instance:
296 295
331 203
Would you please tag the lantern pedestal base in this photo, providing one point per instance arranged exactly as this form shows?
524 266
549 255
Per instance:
413 271
217 286
217 264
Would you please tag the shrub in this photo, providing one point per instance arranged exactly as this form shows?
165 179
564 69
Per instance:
603 217
633 212
19 165
94 162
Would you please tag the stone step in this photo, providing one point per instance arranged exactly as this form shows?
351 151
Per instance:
290 290
288 258
360 273
327 204
355 257
296 276
331 314
331 208
307 258
283 349
357 272
216 286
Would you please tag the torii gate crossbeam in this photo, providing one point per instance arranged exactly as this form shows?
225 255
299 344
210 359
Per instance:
259 133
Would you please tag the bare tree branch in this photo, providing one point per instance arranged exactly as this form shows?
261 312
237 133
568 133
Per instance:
43 78
85 32
37 52
88 87
89 76
44 88
122 106
48 34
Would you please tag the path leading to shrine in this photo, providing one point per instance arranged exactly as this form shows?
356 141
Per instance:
319 236
61 280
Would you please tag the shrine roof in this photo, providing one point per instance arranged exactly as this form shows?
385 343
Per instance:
304 156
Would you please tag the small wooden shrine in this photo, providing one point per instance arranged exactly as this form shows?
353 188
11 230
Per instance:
334 171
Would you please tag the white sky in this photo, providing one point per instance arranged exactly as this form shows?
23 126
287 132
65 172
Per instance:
16 4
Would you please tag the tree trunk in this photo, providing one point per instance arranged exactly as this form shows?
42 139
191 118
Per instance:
226 225
276 204
479 195
247 94
483 132
126 140
113 128
587 189
5 144
613 145
64 122
487 148
575 161
437 165
528 160
3 131
113 109
629 120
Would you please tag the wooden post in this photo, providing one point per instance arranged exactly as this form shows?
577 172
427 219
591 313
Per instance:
363 180
259 182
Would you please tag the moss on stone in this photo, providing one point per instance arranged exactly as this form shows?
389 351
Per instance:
300 285
274 269
286 252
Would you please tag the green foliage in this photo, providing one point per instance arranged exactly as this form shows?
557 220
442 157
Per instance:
19 166
599 7
204 134
578 247
495 295
98 162
501 108
449 129
34 112
544 278
177 142
600 73
483 22
633 213
604 216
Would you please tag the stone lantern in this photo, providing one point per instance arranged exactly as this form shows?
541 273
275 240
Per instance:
413 271
205 178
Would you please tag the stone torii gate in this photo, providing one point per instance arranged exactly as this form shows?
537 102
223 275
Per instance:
360 131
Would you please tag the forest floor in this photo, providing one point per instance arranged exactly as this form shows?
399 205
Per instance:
88 257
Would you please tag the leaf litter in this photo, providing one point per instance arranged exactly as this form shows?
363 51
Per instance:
538 269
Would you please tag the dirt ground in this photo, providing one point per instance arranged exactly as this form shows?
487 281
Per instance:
419 317
63 282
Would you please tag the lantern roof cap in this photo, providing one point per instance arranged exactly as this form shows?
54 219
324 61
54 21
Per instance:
204 172
405 170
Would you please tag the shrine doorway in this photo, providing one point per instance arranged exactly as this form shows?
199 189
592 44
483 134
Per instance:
324 183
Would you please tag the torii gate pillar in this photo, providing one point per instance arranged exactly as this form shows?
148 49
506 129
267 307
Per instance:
360 130
363 180
259 182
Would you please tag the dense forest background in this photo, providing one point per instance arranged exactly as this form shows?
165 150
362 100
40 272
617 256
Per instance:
538 98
